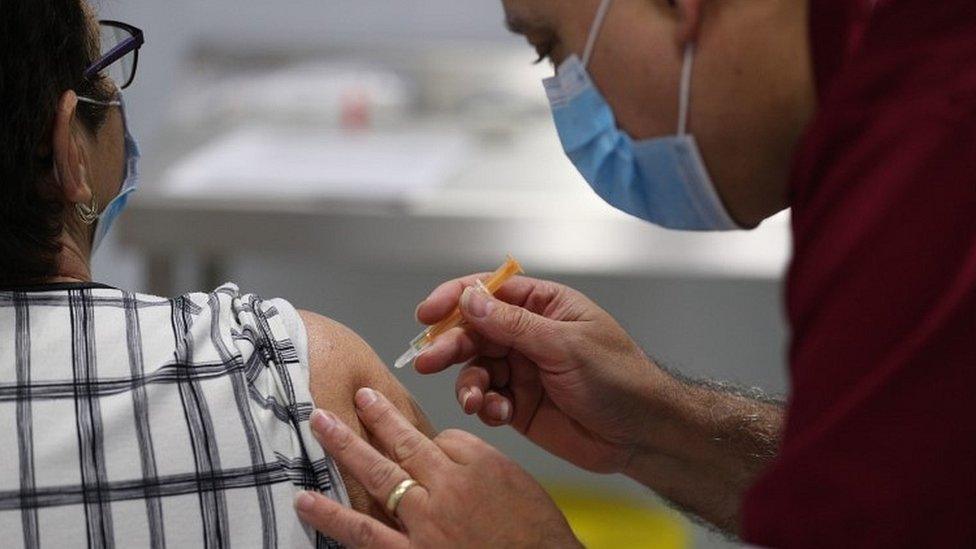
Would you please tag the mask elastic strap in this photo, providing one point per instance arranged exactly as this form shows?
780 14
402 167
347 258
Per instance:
684 93
601 14
100 103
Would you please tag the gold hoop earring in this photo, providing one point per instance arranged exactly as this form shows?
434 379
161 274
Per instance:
88 213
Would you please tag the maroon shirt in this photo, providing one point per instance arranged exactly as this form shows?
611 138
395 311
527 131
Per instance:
879 448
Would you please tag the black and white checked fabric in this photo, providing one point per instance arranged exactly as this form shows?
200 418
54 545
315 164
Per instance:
130 420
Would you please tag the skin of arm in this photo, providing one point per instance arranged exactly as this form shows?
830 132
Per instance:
705 445
341 363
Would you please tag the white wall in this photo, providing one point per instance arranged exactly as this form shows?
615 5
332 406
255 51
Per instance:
173 26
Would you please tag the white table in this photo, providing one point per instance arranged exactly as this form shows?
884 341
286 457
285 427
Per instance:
514 195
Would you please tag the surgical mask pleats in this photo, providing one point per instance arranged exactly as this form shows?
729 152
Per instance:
661 180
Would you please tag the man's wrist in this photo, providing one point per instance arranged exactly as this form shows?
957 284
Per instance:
665 403
686 416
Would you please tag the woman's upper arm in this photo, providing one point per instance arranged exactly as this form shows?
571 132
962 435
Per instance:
340 363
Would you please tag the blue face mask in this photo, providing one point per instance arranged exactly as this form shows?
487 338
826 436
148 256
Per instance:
129 184
662 180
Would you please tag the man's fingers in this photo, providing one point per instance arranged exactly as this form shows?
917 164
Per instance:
454 346
347 526
445 297
377 473
476 379
470 387
497 410
410 448
511 326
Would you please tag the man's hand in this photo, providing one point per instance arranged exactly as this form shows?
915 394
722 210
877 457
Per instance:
549 362
468 494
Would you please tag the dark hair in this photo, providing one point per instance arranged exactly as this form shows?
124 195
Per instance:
45 46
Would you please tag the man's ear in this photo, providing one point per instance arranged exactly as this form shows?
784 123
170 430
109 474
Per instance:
68 157
689 20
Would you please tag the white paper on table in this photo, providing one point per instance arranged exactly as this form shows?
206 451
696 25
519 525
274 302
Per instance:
319 164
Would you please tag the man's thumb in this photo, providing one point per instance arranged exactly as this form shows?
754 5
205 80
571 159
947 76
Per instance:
508 325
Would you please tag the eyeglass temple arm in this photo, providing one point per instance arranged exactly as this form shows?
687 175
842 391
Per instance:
132 43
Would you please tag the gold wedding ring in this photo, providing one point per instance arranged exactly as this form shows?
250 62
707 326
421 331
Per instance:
397 494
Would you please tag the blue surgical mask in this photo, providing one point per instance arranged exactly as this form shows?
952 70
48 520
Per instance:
662 180
129 184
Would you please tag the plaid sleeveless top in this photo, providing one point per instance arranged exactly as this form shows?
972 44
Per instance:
134 420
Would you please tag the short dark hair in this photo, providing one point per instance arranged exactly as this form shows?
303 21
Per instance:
45 46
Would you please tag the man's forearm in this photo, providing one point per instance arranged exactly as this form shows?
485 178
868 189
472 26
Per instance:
705 445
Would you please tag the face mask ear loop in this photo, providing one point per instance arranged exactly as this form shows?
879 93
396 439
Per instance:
684 93
601 14
99 103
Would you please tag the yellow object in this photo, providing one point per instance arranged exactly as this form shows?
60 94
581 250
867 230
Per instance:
393 501
490 285
603 520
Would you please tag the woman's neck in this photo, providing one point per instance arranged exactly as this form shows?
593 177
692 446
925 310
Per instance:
74 261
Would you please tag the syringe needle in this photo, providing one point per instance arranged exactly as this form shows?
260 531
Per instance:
508 269
417 346
406 358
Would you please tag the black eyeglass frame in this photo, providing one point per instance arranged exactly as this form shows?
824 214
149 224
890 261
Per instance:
120 50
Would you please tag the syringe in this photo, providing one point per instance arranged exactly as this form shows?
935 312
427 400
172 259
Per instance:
490 285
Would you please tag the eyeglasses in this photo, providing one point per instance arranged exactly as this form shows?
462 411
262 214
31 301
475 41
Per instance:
120 53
